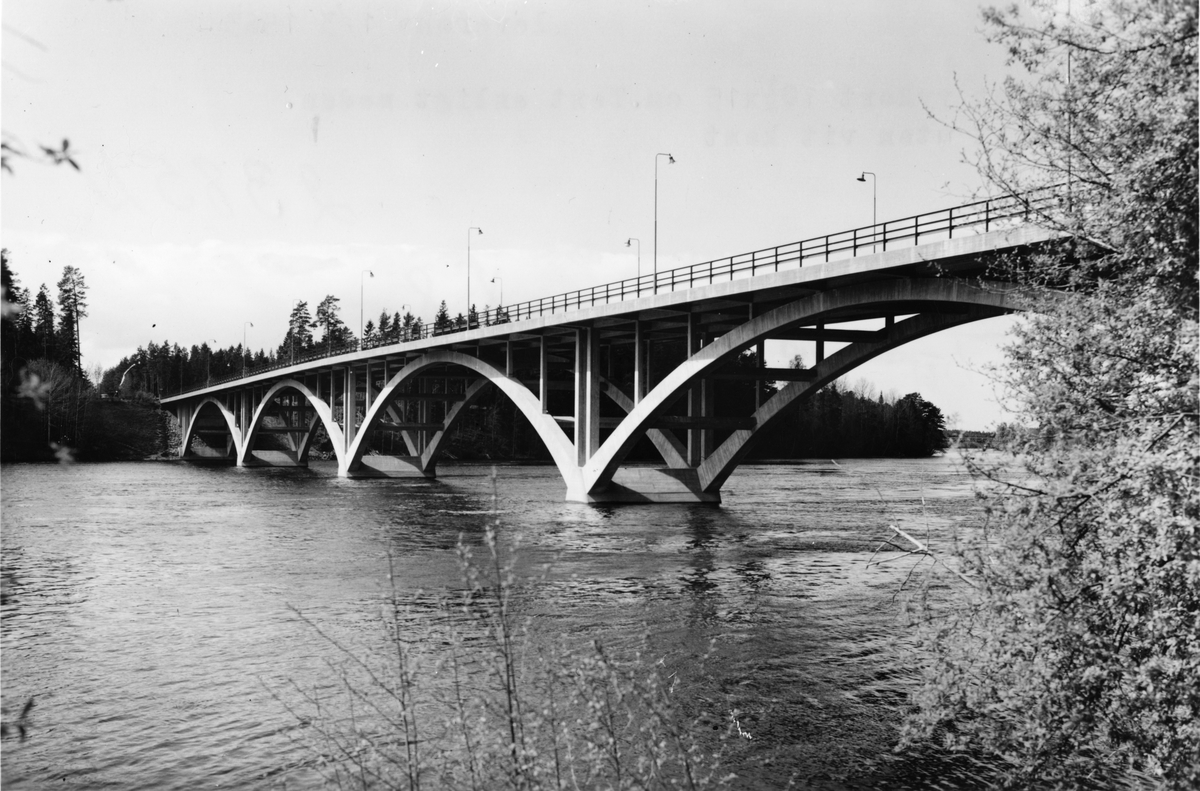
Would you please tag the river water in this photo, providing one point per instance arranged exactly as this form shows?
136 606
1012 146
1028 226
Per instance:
150 607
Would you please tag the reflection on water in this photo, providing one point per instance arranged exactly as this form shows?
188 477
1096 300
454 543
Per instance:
149 605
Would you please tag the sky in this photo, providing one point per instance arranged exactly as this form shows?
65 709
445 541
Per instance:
236 157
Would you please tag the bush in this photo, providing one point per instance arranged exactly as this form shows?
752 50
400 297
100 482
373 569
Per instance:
468 703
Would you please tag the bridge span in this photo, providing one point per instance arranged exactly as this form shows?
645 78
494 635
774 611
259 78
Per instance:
597 370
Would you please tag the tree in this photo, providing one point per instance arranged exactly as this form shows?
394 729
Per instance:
441 320
72 302
299 337
384 328
921 425
1078 651
43 324
17 317
334 331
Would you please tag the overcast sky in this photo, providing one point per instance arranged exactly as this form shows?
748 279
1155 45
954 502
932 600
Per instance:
239 156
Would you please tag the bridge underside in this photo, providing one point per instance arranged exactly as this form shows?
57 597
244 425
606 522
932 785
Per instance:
591 389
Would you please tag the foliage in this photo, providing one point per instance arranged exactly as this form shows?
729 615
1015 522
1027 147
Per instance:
334 331
72 302
11 149
836 422
1076 657
299 337
465 703
441 320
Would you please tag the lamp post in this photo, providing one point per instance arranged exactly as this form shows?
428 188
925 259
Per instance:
498 278
670 161
629 243
480 232
361 279
874 201
244 325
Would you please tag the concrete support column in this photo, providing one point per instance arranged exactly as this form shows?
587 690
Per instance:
587 394
423 408
592 397
639 363
543 371
820 342
760 352
508 358
698 405
349 390
369 392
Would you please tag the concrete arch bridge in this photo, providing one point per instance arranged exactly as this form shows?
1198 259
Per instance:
597 370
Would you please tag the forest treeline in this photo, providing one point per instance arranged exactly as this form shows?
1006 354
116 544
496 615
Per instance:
53 407
49 408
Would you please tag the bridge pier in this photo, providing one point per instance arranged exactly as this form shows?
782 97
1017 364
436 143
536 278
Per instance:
380 466
653 485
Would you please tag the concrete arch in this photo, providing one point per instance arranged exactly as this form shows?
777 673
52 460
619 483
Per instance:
434 449
598 472
230 422
323 411
668 446
560 447
717 468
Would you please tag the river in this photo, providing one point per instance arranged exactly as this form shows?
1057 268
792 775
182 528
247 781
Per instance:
150 608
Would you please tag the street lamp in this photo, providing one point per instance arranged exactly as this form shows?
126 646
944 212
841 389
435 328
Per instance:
360 303
874 197
494 279
670 161
629 243
480 232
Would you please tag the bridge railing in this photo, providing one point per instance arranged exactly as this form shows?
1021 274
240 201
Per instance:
976 217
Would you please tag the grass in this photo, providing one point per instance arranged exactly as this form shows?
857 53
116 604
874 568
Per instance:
466 700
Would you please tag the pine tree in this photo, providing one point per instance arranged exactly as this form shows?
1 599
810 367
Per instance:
334 332
299 338
45 344
384 328
441 321
72 302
